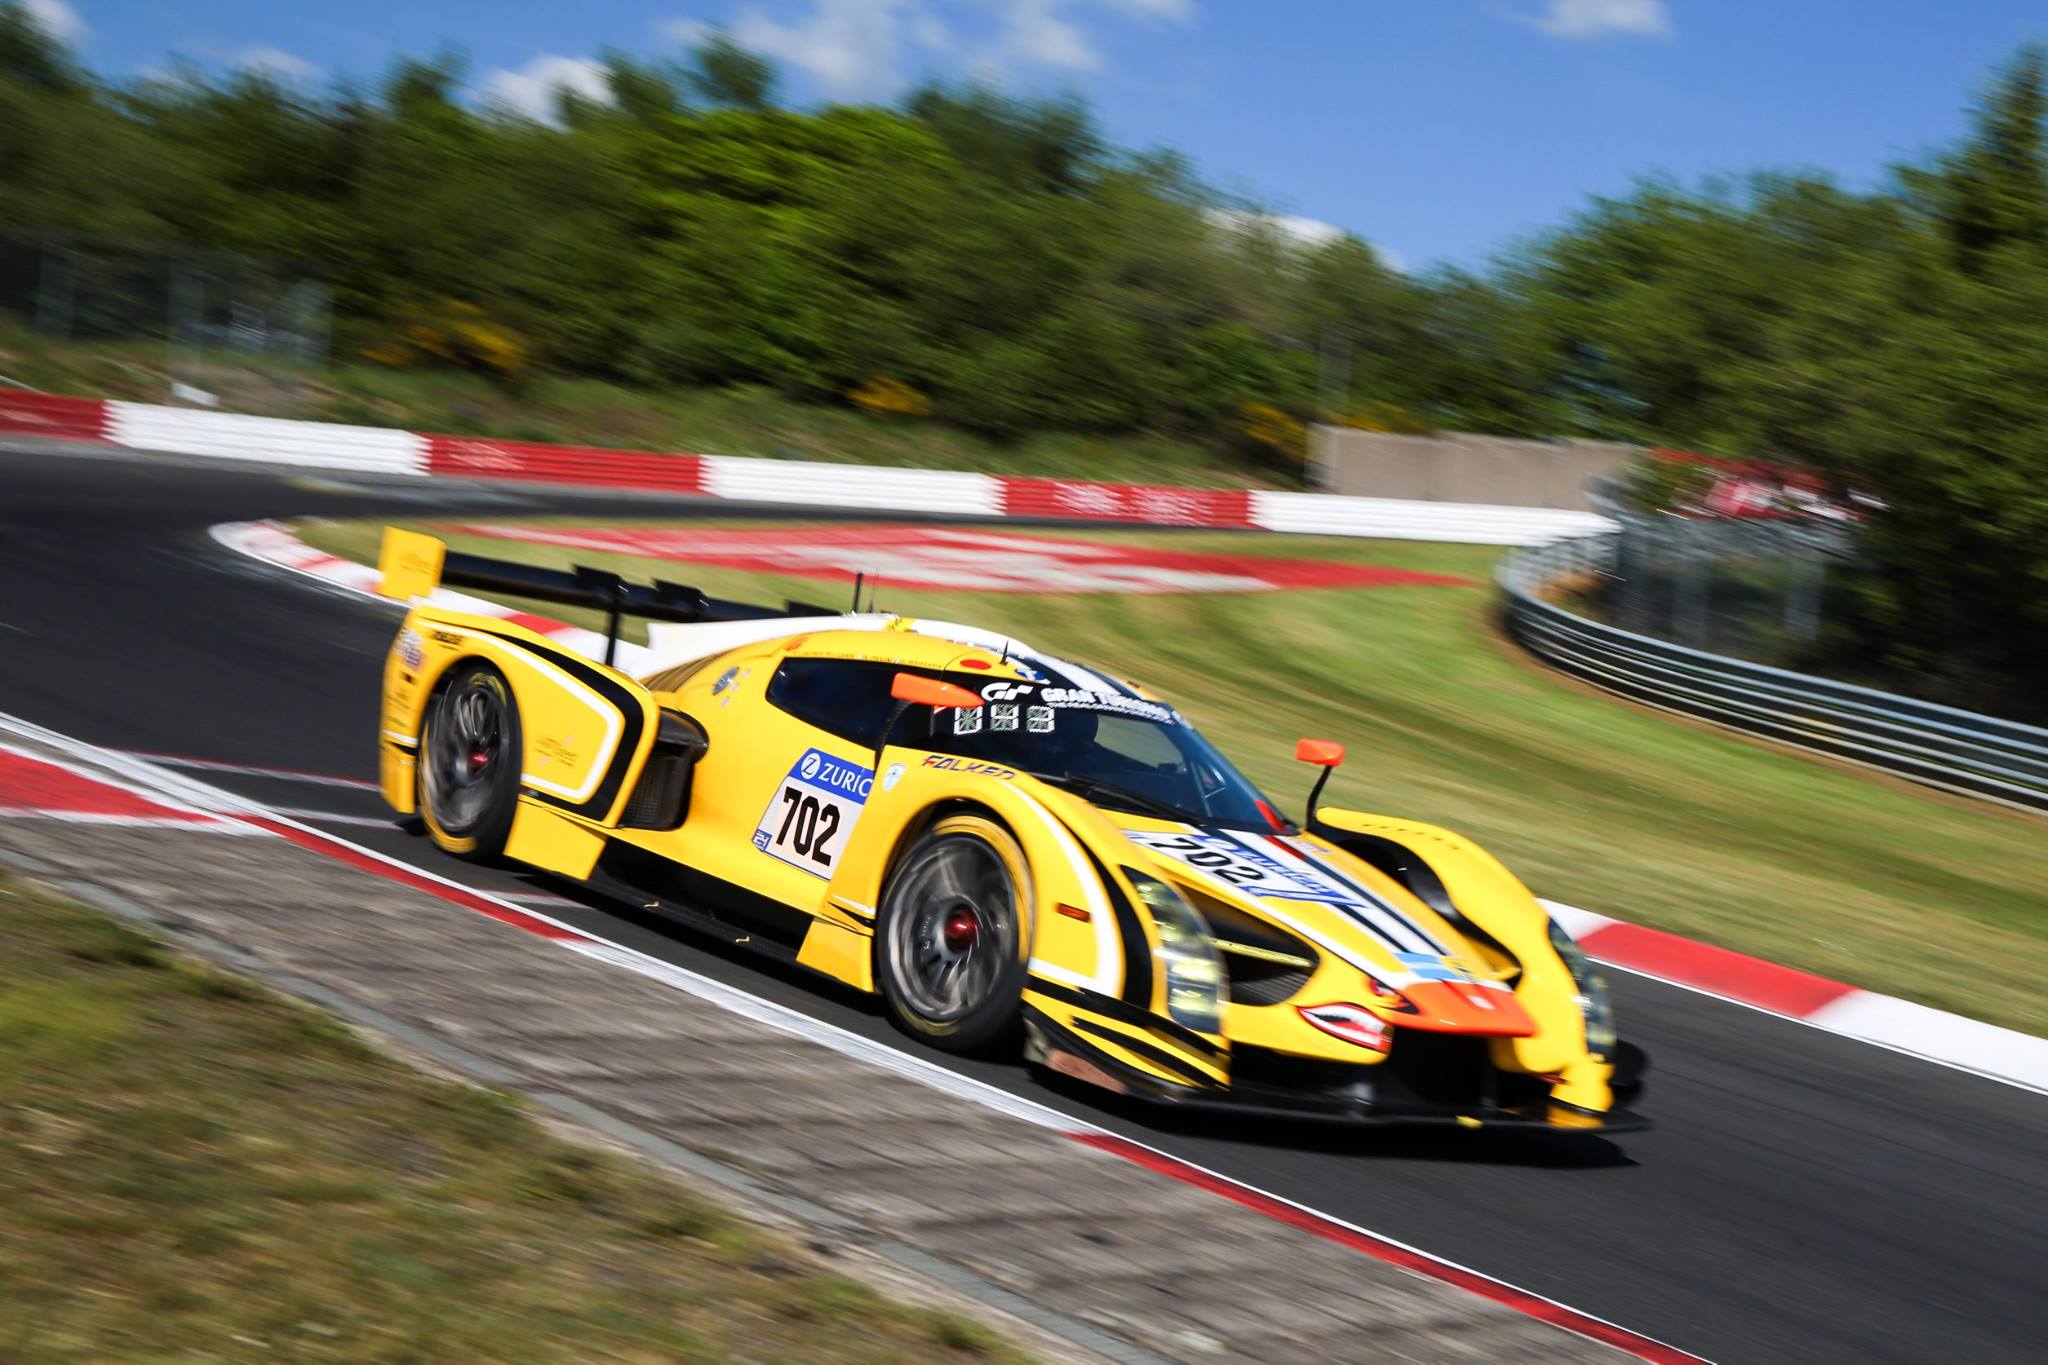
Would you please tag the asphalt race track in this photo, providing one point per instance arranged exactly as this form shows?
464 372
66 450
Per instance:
1802 1197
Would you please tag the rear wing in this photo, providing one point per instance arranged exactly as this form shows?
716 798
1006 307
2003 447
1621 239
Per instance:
414 564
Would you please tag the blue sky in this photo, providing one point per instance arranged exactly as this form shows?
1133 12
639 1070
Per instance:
1437 129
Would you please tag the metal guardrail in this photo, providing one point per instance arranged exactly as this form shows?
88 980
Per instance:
1959 751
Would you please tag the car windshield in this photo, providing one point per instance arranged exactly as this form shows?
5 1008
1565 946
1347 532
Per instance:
1123 753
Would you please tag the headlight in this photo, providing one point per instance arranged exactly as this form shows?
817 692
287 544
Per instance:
1194 973
1592 997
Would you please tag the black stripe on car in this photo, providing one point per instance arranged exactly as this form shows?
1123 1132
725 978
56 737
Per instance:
600 802
1109 1007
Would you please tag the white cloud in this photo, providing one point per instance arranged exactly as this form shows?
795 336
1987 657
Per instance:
1604 18
1037 34
853 48
1309 233
277 64
532 89
1177 10
59 20
1306 231
866 49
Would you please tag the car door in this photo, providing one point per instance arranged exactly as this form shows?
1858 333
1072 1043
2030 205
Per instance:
788 771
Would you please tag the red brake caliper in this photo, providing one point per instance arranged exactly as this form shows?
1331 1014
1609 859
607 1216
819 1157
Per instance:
960 929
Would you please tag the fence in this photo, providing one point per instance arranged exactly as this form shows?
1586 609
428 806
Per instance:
1758 588
1959 751
182 313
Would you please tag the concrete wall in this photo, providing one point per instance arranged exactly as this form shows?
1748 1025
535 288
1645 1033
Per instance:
1460 468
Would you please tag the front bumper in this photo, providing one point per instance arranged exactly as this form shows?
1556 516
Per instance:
1433 1086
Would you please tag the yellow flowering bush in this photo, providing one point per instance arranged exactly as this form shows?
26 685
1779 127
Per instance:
886 397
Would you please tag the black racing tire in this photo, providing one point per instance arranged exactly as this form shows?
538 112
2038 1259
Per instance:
1630 1064
953 935
470 756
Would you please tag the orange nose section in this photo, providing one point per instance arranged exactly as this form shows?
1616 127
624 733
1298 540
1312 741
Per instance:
1458 1007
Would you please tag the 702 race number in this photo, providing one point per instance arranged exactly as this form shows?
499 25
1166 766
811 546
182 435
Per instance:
1217 863
808 826
812 811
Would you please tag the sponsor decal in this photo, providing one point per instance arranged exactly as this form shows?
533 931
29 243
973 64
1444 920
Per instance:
948 763
1004 694
412 650
812 811
1239 863
892 777
1352 1023
1430 967
1245 868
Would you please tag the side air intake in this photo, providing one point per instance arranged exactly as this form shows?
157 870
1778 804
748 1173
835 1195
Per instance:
661 799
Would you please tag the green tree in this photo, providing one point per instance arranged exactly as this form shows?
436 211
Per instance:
1993 191
724 73
31 56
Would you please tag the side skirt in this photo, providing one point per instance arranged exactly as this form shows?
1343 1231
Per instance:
636 877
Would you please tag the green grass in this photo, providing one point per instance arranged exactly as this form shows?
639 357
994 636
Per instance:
193 1169
1593 801
738 421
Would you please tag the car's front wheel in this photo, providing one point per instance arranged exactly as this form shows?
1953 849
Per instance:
470 757
953 936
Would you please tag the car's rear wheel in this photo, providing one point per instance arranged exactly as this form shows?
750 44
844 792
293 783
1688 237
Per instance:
470 757
953 935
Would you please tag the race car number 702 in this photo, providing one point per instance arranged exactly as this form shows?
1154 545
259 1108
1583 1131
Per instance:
814 806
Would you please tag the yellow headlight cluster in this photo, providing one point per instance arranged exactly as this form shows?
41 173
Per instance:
1592 997
1194 972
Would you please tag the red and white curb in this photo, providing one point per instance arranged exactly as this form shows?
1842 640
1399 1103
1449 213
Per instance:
122 780
274 544
383 450
1952 1040
1886 1021
33 788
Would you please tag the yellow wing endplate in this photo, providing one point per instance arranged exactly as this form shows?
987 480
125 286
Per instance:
410 564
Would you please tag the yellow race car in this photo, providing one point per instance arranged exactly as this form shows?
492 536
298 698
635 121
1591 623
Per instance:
1001 845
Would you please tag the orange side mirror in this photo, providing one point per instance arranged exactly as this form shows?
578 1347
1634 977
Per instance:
923 691
1324 753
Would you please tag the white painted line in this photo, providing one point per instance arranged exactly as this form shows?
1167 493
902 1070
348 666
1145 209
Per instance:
1933 1035
206 765
541 898
328 817
180 809
197 824
785 1020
